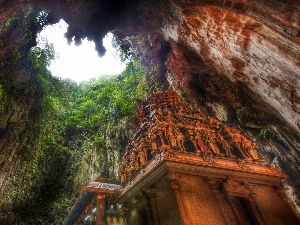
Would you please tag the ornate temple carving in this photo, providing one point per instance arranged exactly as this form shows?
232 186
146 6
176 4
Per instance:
183 167
233 188
164 122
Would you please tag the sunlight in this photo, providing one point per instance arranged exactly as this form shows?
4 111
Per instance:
79 63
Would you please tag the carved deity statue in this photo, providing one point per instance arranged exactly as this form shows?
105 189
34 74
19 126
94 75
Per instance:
211 140
171 137
142 155
246 147
152 137
225 145
179 139
200 145
122 173
134 162
250 148
164 122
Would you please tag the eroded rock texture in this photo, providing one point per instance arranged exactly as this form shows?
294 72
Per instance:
238 60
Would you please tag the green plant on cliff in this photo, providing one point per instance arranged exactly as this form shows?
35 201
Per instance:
99 108
116 96
1 91
8 22
266 134
73 124
2 62
3 100
52 87
41 156
16 54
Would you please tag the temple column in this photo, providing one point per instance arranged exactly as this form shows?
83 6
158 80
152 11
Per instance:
282 194
256 214
175 186
150 192
223 204
100 212
236 210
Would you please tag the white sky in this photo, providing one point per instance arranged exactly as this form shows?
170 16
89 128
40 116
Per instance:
79 62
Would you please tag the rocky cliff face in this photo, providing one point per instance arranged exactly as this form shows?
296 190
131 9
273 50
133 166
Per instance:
237 60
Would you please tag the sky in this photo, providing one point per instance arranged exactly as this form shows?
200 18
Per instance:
79 63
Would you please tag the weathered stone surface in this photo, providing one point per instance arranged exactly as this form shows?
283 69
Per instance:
241 54
244 49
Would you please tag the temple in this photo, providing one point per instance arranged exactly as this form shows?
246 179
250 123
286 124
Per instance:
183 167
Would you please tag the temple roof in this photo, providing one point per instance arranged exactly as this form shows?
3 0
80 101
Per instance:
170 136
88 194
164 122
79 207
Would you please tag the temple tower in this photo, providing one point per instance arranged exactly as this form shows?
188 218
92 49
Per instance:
183 167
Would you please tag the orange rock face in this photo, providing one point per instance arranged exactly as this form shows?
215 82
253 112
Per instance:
244 49
240 55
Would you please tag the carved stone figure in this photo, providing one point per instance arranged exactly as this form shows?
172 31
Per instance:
194 141
134 160
179 139
201 146
250 148
246 147
122 173
214 122
225 145
171 137
165 121
142 155
211 140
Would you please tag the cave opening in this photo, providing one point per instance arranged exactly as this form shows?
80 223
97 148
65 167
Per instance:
79 62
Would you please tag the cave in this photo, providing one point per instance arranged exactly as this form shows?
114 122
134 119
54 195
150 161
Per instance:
235 60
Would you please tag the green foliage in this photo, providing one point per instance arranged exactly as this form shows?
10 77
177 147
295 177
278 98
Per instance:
52 87
124 49
155 86
8 22
16 54
41 58
2 62
266 134
104 98
32 23
40 178
3 106
1 91
73 124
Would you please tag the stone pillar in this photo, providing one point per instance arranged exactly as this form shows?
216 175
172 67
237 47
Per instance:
150 193
256 214
236 210
175 186
227 212
282 194
100 211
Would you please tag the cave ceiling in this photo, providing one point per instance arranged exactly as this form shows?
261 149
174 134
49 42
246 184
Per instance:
236 60
255 44
241 57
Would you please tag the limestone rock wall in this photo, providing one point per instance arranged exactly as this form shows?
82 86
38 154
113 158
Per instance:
242 45
237 60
